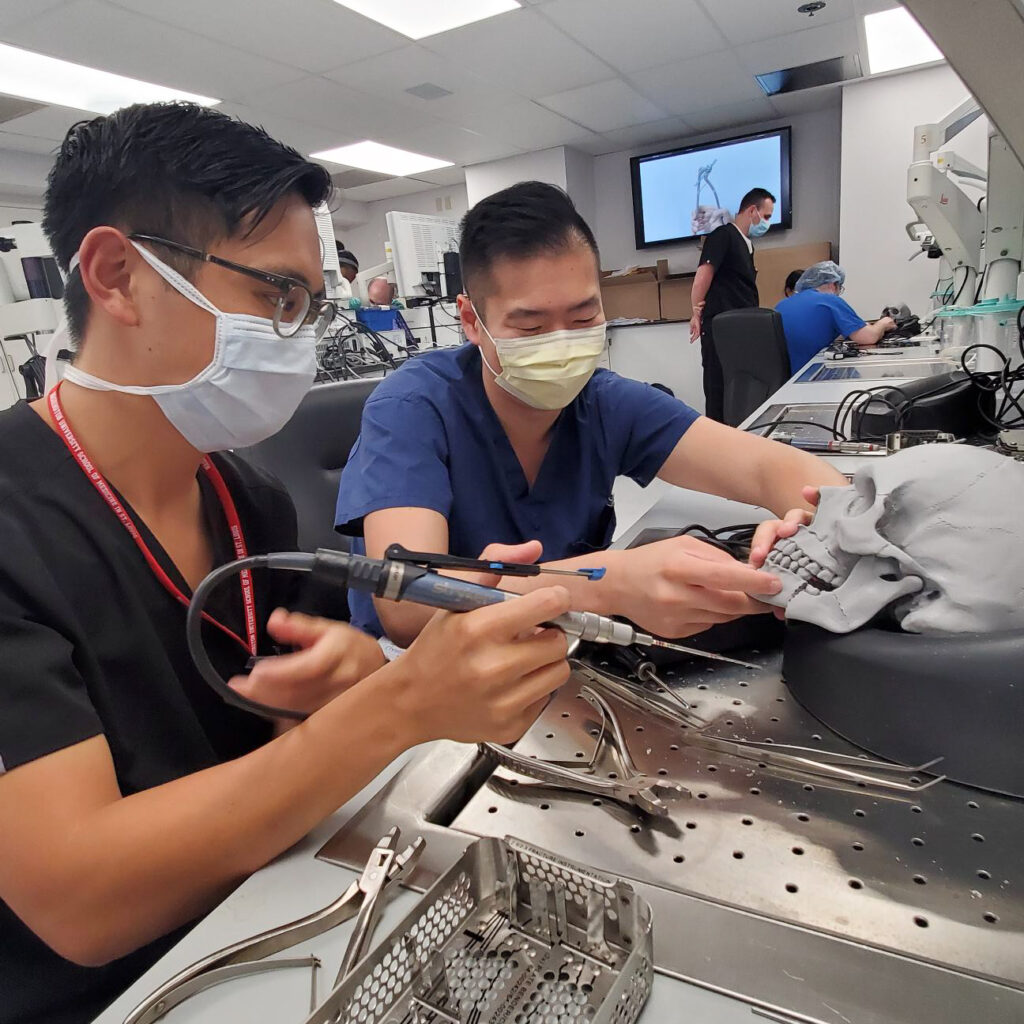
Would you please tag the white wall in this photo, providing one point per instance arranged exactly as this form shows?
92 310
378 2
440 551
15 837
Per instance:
815 193
879 117
579 183
16 211
483 180
23 177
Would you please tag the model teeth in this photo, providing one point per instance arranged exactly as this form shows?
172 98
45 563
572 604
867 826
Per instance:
788 557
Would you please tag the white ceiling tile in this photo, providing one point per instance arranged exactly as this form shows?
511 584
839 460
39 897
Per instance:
390 75
352 116
387 189
450 142
732 115
393 72
300 135
27 144
312 35
526 125
790 51
639 33
596 145
712 80
521 51
444 176
604 106
826 97
647 134
14 12
110 38
862 7
51 123
472 107
748 21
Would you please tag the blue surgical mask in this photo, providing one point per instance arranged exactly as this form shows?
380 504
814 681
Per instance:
759 229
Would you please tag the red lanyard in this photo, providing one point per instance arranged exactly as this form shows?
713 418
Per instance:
230 513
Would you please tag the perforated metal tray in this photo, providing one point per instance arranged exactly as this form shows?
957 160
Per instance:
510 933
934 875
826 903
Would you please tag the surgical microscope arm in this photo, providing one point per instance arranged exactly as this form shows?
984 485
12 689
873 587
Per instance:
949 213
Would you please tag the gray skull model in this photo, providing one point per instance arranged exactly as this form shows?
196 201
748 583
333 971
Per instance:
936 532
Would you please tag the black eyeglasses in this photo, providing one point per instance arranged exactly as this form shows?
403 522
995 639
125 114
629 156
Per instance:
296 305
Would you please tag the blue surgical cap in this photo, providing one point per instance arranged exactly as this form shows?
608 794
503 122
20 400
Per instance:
826 272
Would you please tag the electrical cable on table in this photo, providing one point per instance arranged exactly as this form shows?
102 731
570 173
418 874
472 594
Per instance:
963 284
769 428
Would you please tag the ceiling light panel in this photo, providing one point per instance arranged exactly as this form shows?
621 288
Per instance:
374 156
895 40
417 20
35 76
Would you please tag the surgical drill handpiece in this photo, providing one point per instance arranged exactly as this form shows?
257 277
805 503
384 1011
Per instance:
393 581
399 581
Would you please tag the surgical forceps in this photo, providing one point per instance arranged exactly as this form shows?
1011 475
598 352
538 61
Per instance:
628 785
363 897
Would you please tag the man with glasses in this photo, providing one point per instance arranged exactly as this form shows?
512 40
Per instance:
132 799
815 315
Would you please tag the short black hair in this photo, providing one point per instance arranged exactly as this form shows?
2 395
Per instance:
178 170
791 280
755 197
522 221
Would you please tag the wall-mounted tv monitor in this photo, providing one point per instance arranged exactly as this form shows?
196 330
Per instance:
682 194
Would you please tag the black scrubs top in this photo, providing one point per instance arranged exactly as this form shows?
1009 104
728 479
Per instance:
91 643
734 285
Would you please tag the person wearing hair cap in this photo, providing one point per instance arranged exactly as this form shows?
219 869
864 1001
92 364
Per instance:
816 314
349 265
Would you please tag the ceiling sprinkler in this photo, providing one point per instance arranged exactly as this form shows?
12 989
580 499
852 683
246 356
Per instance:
812 8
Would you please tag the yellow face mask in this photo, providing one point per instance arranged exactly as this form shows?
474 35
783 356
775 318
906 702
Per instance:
547 371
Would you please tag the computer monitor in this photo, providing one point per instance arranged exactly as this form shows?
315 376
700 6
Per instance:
328 247
27 267
418 246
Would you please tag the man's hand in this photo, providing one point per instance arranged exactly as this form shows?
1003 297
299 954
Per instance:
524 554
333 656
485 674
681 586
773 530
887 324
695 320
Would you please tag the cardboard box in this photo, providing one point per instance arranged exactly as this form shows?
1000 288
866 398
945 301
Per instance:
676 297
774 266
634 295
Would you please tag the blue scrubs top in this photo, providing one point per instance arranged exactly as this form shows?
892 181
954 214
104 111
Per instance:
811 320
430 439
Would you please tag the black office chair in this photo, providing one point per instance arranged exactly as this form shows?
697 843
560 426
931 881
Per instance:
751 347
309 452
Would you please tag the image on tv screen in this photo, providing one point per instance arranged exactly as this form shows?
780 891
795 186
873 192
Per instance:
687 193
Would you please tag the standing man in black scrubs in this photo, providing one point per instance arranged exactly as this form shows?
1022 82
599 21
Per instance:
132 799
726 279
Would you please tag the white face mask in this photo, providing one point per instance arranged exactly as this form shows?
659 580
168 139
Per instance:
250 388
546 371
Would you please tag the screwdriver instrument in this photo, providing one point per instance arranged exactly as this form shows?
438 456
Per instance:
432 560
